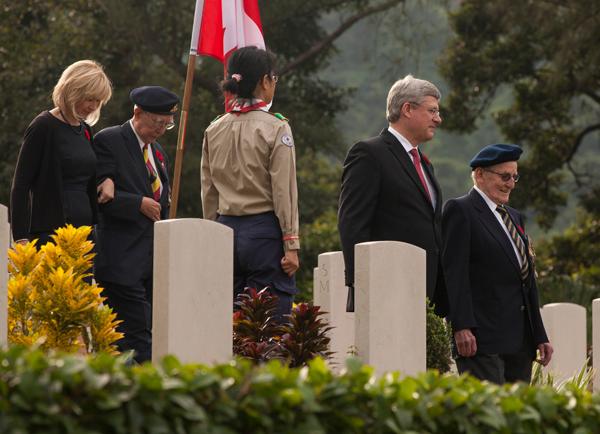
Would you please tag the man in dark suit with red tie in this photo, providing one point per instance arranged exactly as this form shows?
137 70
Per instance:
130 155
494 309
389 191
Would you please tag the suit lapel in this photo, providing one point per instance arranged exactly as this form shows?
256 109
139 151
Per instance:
133 146
493 227
436 185
398 151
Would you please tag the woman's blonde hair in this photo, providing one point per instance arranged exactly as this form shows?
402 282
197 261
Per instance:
84 79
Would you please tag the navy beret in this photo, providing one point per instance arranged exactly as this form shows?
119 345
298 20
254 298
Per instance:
155 99
495 154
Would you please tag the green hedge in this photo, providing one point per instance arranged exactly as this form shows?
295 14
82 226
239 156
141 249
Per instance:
69 394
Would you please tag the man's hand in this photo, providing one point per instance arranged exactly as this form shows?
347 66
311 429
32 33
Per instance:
106 191
290 262
150 208
465 342
546 351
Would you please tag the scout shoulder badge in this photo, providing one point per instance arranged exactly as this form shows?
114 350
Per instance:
280 116
286 139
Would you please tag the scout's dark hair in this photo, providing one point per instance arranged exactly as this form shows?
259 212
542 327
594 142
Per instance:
246 67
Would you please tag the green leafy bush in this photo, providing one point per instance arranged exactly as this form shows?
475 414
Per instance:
581 380
439 338
70 394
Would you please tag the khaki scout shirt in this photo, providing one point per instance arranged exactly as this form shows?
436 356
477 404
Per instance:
249 167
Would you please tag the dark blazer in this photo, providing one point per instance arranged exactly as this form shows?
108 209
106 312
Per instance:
125 236
36 196
485 290
382 198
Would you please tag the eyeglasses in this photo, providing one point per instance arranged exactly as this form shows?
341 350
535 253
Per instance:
161 123
432 111
275 77
505 177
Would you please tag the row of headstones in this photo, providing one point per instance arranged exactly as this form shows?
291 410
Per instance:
565 322
192 303
193 280
192 315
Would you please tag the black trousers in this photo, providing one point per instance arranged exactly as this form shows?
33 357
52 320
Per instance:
498 368
501 368
258 250
133 306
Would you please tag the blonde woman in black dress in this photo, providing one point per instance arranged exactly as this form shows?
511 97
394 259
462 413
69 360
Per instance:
55 176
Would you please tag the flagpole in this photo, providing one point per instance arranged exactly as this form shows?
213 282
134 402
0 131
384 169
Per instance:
187 94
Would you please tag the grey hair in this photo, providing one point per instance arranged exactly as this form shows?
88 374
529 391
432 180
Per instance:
408 89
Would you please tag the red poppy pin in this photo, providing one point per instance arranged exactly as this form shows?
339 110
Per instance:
520 229
425 159
160 157
87 134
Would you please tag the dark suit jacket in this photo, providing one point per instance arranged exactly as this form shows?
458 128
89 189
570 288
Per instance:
485 290
382 199
125 236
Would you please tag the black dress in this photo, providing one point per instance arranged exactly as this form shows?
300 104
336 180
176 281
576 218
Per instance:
78 164
56 161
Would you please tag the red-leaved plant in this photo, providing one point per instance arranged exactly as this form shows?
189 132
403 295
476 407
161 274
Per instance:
259 336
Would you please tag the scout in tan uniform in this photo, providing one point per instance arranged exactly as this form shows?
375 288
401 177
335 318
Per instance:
249 179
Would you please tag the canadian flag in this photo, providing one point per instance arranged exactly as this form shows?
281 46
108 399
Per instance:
221 26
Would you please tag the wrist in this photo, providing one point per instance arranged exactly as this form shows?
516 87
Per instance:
291 242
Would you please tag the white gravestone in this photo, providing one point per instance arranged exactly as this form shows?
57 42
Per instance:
390 306
596 342
565 325
330 293
193 291
4 245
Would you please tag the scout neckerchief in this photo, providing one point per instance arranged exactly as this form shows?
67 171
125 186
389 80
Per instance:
244 105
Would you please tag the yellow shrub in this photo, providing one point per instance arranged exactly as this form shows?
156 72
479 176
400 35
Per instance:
49 300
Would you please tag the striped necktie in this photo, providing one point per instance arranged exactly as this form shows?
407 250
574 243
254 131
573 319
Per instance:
154 179
512 230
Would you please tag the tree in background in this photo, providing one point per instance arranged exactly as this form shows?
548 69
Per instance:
146 42
547 54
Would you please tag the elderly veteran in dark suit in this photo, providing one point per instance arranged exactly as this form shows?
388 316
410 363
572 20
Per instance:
389 190
131 156
492 291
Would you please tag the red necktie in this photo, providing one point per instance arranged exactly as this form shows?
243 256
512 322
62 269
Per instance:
417 162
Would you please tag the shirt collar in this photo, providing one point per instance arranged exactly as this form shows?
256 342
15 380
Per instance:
490 203
140 141
405 143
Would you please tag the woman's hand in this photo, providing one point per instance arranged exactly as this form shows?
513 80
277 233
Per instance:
290 262
106 191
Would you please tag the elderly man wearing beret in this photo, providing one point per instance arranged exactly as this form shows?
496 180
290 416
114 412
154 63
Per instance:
130 155
490 278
